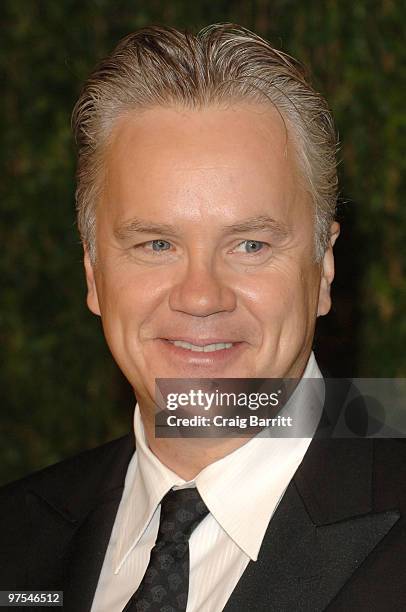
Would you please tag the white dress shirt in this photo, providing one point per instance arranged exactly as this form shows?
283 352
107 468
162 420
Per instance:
242 491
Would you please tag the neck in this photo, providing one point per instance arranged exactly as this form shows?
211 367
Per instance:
187 456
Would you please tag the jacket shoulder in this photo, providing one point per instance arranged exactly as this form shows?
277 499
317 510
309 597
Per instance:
40 513
65 475
389 473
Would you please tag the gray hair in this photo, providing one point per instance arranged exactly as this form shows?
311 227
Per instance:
161 66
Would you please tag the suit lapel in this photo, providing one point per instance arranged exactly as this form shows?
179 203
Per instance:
76 522
84 560
321 532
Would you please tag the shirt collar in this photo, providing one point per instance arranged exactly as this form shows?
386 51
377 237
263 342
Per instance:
242 490
226 486
147 481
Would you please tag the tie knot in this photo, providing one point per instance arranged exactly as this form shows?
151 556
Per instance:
181 512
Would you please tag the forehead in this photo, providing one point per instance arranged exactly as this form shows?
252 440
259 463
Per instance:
220 162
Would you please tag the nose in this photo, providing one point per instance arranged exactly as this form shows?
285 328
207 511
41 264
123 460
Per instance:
202 292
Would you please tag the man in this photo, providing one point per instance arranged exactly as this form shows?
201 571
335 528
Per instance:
206 199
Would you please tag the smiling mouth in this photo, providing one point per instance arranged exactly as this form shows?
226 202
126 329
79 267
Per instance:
206 348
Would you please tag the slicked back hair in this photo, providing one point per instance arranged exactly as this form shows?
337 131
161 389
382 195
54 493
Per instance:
160 66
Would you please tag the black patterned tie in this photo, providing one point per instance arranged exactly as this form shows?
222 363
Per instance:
165 585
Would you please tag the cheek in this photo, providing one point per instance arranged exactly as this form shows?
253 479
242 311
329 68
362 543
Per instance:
303 307
124 304
273 294
284 301
127 294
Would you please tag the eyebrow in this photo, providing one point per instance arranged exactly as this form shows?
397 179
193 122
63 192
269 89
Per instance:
137 226
260 223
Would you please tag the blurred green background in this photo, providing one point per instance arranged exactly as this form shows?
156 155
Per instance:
60 390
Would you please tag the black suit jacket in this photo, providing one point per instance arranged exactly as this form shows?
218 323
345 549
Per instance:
336 542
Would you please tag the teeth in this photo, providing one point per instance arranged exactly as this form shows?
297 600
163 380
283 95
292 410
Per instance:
208 348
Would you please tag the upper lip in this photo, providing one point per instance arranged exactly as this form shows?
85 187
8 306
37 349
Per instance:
200 341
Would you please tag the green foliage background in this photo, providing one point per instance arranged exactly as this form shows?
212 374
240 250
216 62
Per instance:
60 390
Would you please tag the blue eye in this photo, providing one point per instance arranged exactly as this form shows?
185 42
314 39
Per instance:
252 246
160 245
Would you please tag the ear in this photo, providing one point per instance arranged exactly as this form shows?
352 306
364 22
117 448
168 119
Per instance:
327 272
92 298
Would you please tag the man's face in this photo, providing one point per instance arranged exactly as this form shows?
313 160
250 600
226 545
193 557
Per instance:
205 243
